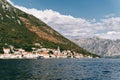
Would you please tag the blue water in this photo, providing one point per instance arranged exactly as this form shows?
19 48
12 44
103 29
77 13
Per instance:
60 69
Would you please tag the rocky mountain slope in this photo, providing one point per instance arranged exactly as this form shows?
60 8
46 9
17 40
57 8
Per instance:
22 30
103 47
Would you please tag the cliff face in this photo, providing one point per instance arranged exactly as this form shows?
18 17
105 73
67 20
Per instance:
103 47
20 29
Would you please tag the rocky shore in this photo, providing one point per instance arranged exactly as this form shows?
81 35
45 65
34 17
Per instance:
41 53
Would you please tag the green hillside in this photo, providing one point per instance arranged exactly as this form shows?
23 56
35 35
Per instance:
22 30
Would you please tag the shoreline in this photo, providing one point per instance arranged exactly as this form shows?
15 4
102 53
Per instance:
43 53
39 56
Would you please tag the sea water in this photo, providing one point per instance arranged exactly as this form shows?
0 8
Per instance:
60 69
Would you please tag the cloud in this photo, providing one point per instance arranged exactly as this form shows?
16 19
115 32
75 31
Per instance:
110 15
110 35
72 27
112 32
10 2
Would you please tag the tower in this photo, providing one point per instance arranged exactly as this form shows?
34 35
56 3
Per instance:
58 50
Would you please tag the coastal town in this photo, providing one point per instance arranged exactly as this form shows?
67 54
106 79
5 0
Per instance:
38 53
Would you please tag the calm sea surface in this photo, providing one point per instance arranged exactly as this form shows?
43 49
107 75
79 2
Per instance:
60 69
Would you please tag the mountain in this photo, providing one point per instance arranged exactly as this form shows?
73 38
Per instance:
22 30
103 47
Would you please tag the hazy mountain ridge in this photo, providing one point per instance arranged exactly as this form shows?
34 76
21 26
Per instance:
20 29
103 47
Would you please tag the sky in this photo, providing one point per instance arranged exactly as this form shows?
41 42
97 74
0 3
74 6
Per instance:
78 8
76 18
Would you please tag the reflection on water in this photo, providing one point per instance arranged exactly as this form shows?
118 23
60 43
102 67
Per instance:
60 69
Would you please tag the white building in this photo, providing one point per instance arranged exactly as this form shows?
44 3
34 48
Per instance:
6 50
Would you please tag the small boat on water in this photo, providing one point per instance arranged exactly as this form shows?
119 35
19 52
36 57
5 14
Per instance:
40 57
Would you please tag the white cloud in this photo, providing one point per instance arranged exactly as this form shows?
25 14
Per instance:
110 15
112 32
10 2
72 27
110 35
